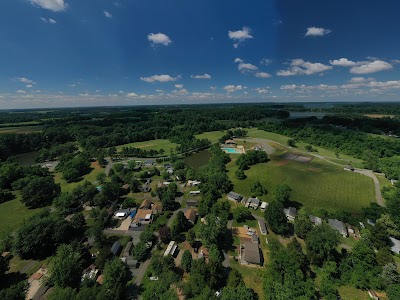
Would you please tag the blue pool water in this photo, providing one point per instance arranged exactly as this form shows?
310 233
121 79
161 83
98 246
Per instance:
230 150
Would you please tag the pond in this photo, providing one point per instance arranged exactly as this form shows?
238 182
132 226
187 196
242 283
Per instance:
198 160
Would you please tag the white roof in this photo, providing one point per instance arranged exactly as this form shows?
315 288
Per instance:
120 214
147 217
194 192
264 205
171 246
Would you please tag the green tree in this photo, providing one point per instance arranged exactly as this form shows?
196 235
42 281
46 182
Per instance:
62 293
257 189
321 243
282 193
39 192
240 174
191 237
78 221
241 214
186 262
393 292
115 278
291 143
302 225
65 267
101 177
276 218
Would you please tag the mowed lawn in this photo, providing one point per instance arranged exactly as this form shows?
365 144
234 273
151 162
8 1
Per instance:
317 184
21 129
13 213
212 136
151 145
91 177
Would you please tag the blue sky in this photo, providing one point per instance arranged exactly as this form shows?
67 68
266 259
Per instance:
57 53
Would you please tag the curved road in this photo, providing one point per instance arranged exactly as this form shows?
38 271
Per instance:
269 149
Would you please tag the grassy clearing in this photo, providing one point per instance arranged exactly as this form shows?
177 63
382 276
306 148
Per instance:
91 177
351 293
20 123
151 145
315 185
329 154
252 277
212 136
22 129
13 213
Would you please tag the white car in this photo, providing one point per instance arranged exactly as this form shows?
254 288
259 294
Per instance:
153 278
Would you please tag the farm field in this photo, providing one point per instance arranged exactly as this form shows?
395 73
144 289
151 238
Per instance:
151 145
13 213
317 184
21 129
212 136
91 177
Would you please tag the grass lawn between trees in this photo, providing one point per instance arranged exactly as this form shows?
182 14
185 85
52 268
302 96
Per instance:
151 145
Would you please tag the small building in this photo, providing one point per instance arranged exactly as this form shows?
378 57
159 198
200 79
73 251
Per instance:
144 216
373 295
253 202
263 227
249 253
194 193
257 148
191 203
191 215
393 181
315 220
230 142
146 204
291 213
396 245
90 273
116 248
157 208
172 246
338 226
149 163
145 188
348 168
264 205
193 183
234 196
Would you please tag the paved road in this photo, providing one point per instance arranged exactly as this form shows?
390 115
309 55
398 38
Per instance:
378 195
142 270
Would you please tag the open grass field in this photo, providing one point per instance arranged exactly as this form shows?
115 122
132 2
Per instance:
329 154
151 145
317 184
212 136
22 129
252 277
351 293
91 177
13 213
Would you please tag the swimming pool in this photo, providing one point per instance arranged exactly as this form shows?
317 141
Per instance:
231 150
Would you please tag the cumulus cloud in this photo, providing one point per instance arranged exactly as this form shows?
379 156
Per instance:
233 88
263 75
179 86
240 35
107 14
25 80
21 92
362 67
159 39
262 90
204 76
132 95
180 92
266 61
160 78
301 67
245 67
371 67
317 31
54 5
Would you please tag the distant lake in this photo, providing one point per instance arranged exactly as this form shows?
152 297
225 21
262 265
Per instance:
198 160
26 159
306 114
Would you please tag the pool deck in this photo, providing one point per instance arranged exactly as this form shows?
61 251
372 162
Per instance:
234 150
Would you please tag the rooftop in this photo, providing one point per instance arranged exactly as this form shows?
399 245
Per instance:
251 253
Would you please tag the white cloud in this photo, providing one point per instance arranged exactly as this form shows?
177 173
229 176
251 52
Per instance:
233 88
107 14
160 78
317 31
54 5
301 67
159 39
263 75
371 67
49 20
29 85
361 80
342 62
238 60
266 61
21 92
244 67
180 92
25 80
261 90
213 88
204 76
179 86
240 35
132 95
